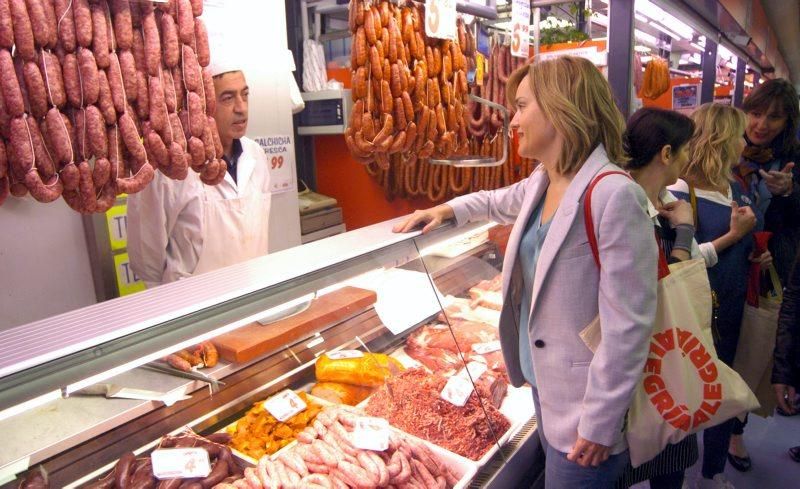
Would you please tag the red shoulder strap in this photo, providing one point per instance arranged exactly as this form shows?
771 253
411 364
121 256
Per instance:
588 220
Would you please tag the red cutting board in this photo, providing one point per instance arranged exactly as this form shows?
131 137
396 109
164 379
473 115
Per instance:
255 339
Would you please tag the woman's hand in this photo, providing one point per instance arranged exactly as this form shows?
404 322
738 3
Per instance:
678 212
742 220
430 218
764 259
785 395
778 182
586 453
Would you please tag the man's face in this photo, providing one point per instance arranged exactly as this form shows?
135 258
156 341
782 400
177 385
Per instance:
231 115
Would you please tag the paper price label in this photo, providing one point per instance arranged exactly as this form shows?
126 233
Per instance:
440 19
180 463
520 28
284 405
345 354
371 434
476 369
484 348
457 390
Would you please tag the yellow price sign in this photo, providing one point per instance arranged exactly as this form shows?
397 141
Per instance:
480 68
127 281
117 222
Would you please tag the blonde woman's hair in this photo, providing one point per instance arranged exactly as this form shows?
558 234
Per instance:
577 100
712 149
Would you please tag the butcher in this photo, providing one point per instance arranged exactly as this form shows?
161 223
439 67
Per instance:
177 229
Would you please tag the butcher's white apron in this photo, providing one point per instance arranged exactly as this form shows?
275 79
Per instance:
234 230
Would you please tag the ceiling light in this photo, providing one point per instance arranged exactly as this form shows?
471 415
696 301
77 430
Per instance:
640 18
666 31
642 49
645 37
657 14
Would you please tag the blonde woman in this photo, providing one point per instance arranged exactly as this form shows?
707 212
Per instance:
567 120
725 219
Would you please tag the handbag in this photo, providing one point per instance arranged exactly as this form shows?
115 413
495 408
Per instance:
753 359
684 388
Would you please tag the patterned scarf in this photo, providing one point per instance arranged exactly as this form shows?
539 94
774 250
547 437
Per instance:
753 157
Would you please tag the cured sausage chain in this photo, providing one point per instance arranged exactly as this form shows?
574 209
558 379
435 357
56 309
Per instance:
409 91
408 176
100 94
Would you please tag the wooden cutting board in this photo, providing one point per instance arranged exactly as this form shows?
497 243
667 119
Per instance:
255 339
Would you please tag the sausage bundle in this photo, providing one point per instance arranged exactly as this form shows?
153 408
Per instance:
409 178
133 472
99 95
409 91
326 457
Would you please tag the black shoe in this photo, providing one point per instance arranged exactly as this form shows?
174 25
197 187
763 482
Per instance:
743 464
794 452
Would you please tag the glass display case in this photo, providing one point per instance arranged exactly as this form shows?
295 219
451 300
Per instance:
401 327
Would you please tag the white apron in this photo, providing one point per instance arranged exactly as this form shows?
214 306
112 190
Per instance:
234 229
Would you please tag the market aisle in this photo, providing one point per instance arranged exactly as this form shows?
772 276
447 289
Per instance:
768 441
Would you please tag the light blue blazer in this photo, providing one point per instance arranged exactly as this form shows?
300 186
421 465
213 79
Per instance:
579 392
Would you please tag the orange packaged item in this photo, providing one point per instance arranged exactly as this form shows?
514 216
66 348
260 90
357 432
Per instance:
368 369
341 393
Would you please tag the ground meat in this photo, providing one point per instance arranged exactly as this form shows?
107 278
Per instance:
412 403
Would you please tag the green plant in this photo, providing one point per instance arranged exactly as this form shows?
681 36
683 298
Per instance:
554 30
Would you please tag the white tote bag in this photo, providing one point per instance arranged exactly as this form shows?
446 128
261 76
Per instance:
684 388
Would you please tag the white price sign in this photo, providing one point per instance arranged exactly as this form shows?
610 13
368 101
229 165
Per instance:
180 463
520 28
476 369
371 434
280 161
440 19
457 390
345 354
484 348
284 405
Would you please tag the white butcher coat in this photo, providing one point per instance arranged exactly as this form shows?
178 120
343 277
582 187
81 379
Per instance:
180 228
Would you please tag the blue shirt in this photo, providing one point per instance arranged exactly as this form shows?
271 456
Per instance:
529 249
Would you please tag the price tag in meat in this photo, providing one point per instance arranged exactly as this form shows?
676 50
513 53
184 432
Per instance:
371 434
284 405
280 161
345 354
476 369
457 390
484 348
180 463
520 28
440 19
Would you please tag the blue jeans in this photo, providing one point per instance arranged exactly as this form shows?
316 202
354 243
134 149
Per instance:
560 473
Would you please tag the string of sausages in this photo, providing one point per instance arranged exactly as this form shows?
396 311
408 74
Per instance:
100 94
407 177
409 90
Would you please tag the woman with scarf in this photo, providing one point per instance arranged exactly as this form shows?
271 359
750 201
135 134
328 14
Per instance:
769 172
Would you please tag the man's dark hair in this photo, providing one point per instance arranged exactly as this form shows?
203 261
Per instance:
782 91
650 129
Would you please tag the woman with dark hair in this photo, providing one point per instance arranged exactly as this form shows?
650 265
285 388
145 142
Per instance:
769 172
656 143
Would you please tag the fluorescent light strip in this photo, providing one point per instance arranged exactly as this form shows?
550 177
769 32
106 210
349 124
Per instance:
645 37
666 31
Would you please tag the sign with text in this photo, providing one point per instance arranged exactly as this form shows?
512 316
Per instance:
685 96
127 281
117 222
440 19
280 159
520 28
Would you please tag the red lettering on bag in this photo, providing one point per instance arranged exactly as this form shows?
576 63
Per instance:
666 340
699 357
662 401
708 373
653 365
699 417
712 391
654 385
710 408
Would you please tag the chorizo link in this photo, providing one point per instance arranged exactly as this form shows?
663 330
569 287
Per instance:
6 30
23 30
100 44
201 43
152 44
